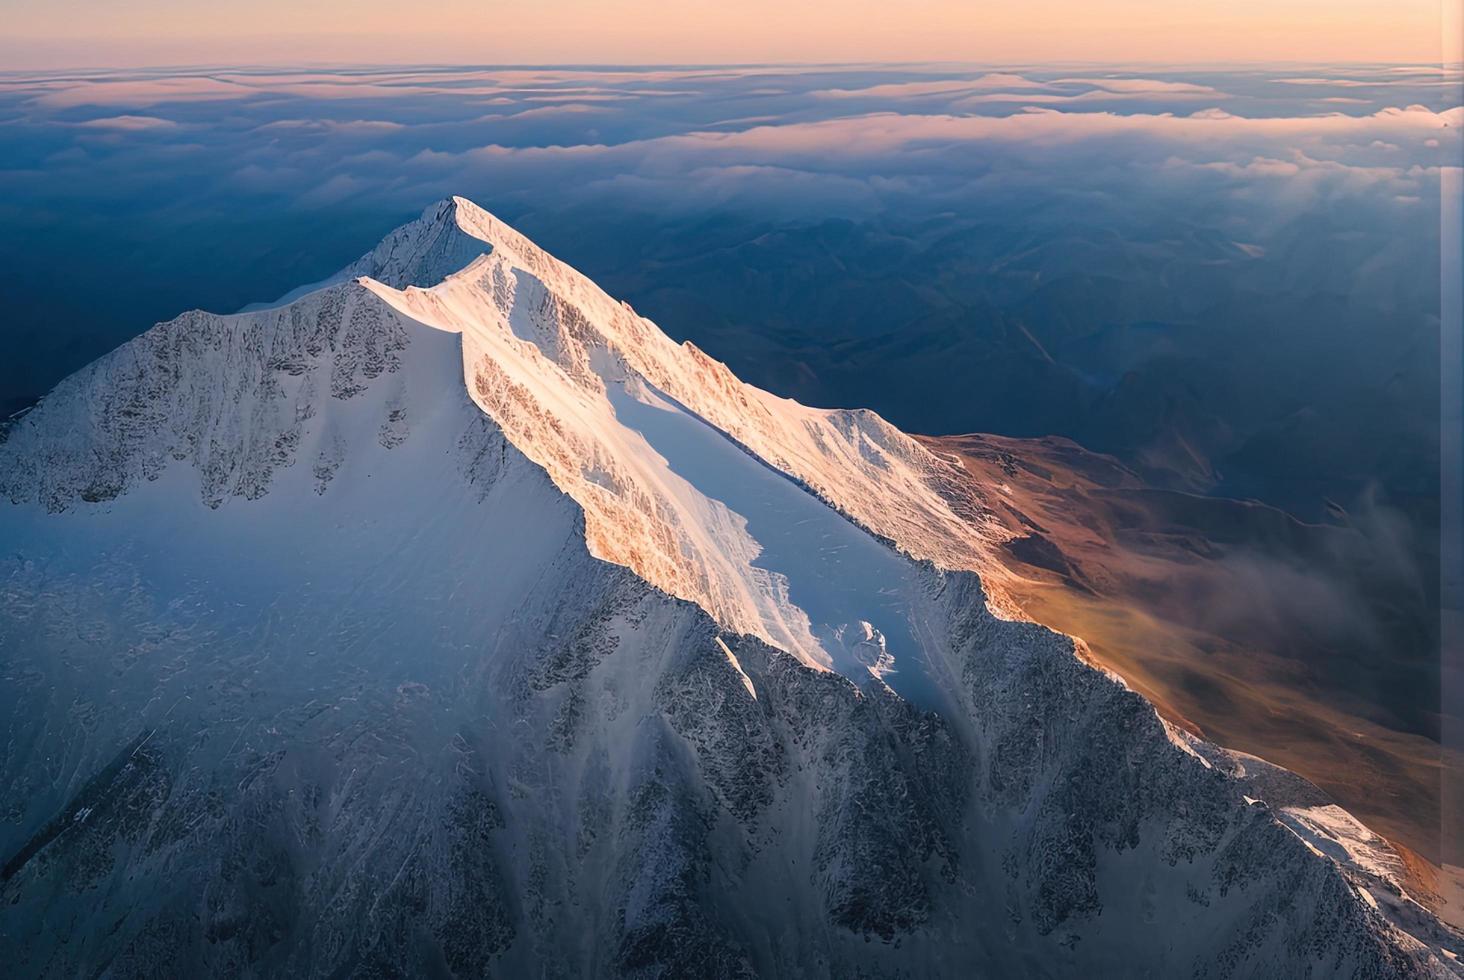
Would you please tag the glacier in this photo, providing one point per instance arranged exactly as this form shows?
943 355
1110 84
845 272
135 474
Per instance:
446 618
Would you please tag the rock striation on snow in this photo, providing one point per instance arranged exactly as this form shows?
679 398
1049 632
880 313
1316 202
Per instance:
450 619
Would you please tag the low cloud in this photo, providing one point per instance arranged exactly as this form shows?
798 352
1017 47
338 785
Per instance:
128 123
560 134
919 89
1145 86
139 93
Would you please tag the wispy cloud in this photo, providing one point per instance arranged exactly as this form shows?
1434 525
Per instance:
920 89
141 92
128 123
1145 86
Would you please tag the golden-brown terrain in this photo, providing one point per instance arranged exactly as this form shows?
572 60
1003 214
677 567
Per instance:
1295 642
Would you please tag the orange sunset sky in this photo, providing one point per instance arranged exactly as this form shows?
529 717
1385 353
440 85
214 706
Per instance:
76 33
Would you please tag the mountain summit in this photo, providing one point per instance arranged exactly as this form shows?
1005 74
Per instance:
448 618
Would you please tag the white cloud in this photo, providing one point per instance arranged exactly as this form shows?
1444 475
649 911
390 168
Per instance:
1141 86
129 123
909 90
140 92
800 145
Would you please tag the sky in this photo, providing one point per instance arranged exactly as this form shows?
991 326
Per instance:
104 33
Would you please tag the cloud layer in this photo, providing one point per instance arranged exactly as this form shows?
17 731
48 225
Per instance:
391 139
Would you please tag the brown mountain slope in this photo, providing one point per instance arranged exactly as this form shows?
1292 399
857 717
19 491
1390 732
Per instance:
1309 645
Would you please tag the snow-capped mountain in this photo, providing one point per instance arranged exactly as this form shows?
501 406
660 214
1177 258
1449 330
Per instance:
447 618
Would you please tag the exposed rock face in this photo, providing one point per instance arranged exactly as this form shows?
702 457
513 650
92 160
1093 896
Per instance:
310 670
229 395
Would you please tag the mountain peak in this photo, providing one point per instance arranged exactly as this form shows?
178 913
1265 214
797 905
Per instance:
456 614
631 425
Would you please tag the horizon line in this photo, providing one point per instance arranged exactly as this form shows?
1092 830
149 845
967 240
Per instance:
736 65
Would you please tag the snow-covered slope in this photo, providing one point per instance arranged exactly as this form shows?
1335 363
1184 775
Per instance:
854 460
480 629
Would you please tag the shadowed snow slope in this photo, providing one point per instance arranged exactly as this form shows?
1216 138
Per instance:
449 619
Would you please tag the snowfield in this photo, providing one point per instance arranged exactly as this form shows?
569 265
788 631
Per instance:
447 618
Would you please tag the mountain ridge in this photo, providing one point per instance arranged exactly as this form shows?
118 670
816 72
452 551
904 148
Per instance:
459 723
